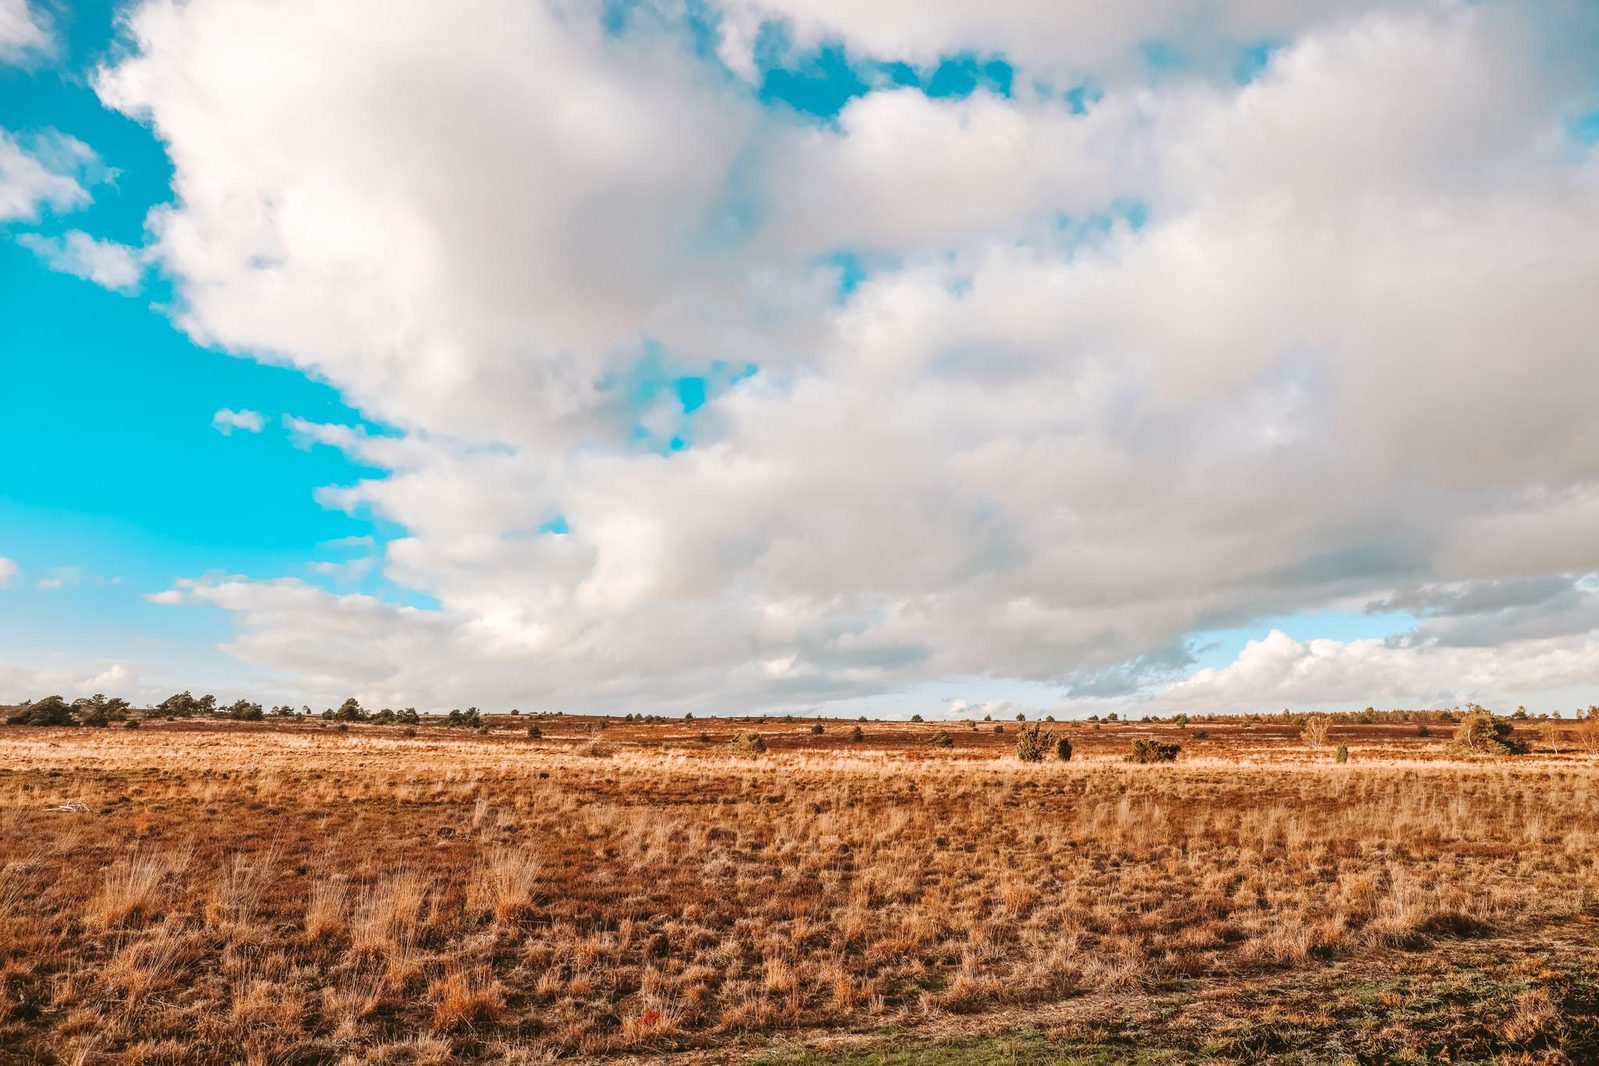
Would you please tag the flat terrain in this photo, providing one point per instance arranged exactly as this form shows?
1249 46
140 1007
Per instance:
293 892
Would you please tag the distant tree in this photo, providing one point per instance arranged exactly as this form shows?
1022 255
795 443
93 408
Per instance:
916 718
50 711
818 729
857 734
1316 728
349 711
245 711
179 705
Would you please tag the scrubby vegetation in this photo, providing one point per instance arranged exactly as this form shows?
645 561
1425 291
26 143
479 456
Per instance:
1480 733
213 891
1146 750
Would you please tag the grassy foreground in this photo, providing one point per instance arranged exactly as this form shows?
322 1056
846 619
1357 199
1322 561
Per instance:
294 893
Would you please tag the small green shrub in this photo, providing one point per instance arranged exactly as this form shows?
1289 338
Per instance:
1341 755
1063 749
749 744
941 739
132 723
818 729
535 733
1480 733
857 734
1149 751
1032 743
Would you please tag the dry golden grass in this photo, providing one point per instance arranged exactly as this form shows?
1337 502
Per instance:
298 894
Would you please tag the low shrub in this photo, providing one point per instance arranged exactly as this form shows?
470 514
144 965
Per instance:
1063 749
1480 733
1341 755
941 739
1148 751
749 744
1033 743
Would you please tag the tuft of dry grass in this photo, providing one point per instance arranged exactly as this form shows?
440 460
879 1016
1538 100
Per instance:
132 887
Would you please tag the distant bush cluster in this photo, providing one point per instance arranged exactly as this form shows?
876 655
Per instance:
1474 730
1034 743
1480 733
1150 751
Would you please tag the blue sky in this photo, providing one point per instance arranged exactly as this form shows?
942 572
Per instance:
817 365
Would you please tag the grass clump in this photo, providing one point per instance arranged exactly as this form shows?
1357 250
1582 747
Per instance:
941 739
751 743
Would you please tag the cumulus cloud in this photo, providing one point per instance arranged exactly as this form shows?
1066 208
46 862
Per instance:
26 32
226 420
1279 671
1194 355
106 263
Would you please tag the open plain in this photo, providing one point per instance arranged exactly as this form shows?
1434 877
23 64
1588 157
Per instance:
294 892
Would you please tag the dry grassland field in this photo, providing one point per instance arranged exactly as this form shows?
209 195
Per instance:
199 891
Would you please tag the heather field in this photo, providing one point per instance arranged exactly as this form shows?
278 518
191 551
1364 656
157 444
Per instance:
295 892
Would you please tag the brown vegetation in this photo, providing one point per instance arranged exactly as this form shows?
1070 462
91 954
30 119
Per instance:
285 892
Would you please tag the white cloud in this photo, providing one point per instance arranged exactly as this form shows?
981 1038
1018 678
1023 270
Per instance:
19 683
1058 39
225 421
8 570
26 32
106 263
1278 671
1342 349
46 171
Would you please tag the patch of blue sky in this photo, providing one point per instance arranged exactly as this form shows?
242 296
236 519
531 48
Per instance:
1082 97
1218 648
1087 230
99 498
657 396
1583 129
1252 59
821 81
1162 59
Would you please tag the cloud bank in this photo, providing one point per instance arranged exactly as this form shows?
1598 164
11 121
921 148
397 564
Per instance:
696 401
